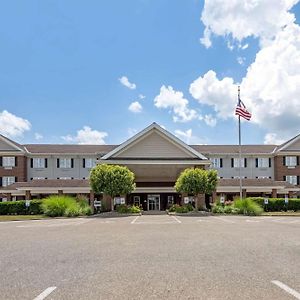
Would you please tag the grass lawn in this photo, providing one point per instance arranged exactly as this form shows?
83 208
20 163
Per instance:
282 213
22 217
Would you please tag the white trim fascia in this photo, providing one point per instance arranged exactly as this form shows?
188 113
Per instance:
159 129
293 140
154 162
154 190
4 139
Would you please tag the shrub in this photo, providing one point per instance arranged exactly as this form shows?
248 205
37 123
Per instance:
218 209
135 209
127 209
247 207
19 208
227 209
277 204
56 206
181 209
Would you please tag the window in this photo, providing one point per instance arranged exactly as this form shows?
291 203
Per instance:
170 200
235 162
136 200
216 163
262 162
8 180
38 178
8 161
292 179
263 177
65 178
291 161
65 163
39 163
238 177
89 163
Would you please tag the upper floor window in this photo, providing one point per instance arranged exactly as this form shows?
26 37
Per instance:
8 161
235 162
65 178
216 163
8 180
290 161
89 163
263 162
292 179
38 178
38 162
65 163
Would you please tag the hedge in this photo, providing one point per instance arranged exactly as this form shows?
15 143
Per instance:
19 208
278 204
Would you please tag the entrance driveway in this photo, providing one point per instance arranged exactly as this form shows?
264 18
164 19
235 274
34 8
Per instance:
151 257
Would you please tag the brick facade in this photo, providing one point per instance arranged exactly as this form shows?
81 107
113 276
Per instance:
19 171
280 170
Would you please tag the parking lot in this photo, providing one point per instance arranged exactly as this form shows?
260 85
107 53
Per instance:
151 257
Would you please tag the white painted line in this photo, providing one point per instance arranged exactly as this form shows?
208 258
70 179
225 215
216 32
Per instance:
286 288
175 218
224 220
133 221
45 293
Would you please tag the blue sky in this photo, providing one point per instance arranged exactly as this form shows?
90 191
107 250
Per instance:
61 62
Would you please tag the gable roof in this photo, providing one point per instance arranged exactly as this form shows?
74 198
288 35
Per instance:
12 143
164 133
288 143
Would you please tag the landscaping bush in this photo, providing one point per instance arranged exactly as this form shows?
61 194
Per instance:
247 207
19 208
127 209
181 209
277 204
56 206
227 209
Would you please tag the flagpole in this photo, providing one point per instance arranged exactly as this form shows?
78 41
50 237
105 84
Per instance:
240 150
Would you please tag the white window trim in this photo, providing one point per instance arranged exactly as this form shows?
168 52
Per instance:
215 162
38 163
262 162
8 161
291 161
65 163
292 179
90 163
236 162
8 180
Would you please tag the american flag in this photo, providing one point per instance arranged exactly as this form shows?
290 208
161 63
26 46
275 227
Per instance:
242 111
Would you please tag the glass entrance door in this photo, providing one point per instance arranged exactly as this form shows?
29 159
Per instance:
153 202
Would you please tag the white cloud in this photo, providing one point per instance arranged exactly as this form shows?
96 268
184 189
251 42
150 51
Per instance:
188 137
87 136
220 94
141 96
209 120
273 139
11 125
241 60
270 89
168 98
38 136
125 81
240 19
135 107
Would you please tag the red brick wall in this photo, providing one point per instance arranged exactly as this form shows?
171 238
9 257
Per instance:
280 170
20 171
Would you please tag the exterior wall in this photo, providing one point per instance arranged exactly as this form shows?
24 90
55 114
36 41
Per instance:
52 172
281 170
154 146
20 171
250 171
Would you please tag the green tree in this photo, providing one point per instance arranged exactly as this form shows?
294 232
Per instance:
196 182
112 180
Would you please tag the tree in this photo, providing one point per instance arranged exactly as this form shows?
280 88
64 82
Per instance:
196 182
112 180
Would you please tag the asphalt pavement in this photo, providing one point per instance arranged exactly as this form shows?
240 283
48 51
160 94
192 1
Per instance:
151 257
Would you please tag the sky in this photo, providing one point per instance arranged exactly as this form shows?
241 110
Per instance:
97 72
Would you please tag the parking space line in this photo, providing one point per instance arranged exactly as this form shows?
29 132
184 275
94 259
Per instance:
175 218
286 288
224 220
133 221
45 293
